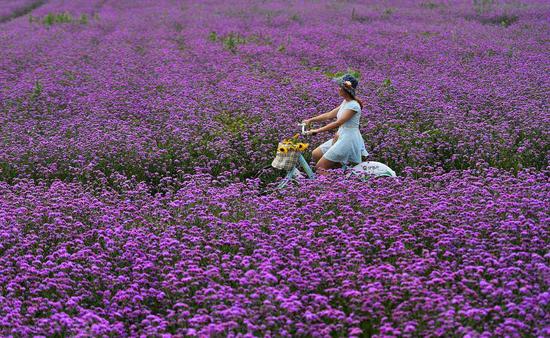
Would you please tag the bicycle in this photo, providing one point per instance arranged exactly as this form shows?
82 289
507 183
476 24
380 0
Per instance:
363 171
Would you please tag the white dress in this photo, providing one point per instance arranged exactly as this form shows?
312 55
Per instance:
350 144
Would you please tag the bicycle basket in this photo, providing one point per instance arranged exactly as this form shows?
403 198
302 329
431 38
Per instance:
285 160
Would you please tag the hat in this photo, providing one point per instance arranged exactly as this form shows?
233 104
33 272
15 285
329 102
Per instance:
348 82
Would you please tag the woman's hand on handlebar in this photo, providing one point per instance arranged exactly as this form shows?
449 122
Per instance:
311 132
306 123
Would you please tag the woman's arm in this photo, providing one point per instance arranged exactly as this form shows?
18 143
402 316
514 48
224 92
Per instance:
322 117
346 115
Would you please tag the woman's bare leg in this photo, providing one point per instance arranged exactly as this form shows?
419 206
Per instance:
324 165
316 154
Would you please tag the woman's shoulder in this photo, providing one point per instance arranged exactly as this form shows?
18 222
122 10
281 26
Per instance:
353 104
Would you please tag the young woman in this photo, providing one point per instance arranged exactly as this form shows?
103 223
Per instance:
348 144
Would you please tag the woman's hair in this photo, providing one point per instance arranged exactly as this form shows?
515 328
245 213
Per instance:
348 85
358 101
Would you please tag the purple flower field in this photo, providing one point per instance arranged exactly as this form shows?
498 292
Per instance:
132 133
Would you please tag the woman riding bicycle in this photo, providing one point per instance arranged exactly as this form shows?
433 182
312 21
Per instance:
348 144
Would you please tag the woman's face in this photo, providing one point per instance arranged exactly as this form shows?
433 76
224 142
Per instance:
341 92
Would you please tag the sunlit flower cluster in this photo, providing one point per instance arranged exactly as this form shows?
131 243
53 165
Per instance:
292 144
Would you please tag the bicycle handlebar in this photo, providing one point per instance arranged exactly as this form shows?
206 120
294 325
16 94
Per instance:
303 125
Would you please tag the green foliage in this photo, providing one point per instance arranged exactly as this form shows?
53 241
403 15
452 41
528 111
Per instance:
296 17
258 39
388 12
510 51
281 48
71 133
37 90
351 71
139 49
385 90
213 36
64 17
52 18
68 78
232 40
83 19
7 172
428 34
429 5
386 87
48 19
286 80
233 123
387 84
180 42
508 20
160 89
504 20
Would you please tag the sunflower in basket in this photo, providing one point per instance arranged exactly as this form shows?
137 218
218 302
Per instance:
291 144
291 140
285 148
302 146
282 149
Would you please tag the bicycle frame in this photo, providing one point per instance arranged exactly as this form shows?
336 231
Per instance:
303 163
290 174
